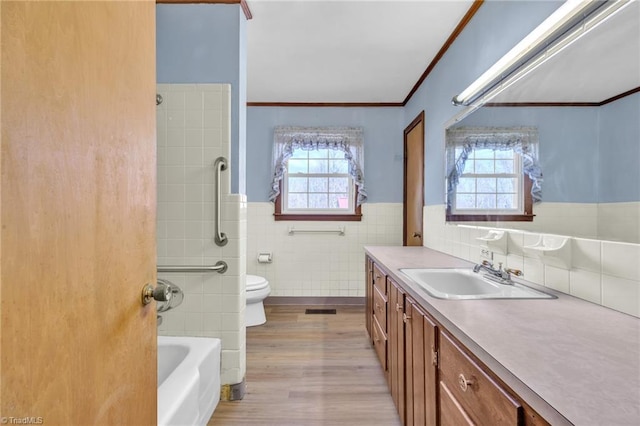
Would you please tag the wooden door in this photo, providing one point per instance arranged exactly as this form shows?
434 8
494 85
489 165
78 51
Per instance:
413 182
78 210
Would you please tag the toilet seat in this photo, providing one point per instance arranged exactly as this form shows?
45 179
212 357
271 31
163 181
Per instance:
255 283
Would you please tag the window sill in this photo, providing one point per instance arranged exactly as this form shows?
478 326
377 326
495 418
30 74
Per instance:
490 217
320 217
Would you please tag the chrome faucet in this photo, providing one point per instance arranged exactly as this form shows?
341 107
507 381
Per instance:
503 276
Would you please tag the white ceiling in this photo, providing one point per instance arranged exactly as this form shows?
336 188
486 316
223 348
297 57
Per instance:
344 50
358 51
602 64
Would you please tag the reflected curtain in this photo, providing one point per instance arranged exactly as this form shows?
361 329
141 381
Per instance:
522 140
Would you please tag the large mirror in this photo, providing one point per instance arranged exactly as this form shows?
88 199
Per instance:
585 102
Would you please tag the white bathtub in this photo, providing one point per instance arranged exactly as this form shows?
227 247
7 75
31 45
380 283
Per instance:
188 380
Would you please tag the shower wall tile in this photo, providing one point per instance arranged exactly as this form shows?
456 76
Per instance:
327 265
194 130
602 272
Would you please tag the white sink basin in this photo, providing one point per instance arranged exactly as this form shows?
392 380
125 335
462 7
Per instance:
466 284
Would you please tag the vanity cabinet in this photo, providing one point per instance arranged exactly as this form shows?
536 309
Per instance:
433 378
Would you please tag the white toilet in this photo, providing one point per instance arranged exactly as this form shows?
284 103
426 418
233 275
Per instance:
257 290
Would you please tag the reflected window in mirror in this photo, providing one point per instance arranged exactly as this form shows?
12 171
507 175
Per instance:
493 174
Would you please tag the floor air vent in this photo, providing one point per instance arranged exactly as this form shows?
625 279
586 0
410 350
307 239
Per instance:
320 311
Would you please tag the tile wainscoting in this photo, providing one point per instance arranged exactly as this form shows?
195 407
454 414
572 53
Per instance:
314 265
602 272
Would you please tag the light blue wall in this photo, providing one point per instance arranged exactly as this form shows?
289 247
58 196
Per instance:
620 150
494 30
383 129
206 43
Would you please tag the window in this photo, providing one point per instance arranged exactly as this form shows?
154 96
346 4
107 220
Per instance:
492 174
318 174
318 182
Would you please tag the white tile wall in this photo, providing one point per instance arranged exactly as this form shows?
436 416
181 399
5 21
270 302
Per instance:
318 264
193 130
602 272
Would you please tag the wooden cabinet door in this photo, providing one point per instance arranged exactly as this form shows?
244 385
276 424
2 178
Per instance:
418 358
397 347
421 335
430 370
78 212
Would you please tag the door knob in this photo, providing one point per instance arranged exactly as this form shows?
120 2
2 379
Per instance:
162 293
417 235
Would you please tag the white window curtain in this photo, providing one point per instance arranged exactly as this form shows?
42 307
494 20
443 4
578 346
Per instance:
348 140
522 140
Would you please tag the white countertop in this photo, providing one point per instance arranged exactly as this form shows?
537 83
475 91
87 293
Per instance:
571 360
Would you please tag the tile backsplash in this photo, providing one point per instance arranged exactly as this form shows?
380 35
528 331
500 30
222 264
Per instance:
193 124
324 265
602 272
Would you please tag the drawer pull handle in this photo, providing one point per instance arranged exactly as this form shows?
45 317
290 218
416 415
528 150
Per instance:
405 318
378 277
464 382
378 307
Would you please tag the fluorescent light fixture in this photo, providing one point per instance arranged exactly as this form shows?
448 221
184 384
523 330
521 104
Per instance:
567 24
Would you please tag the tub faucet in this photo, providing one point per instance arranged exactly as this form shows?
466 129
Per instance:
503 276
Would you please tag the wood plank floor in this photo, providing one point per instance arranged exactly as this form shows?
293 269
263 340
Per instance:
311 370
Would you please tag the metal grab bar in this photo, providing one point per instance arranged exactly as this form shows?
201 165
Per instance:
220 237
340 230
220 267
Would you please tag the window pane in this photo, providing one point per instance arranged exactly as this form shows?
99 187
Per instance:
298 166
299 153
486 201
318 201
504 166
465 201
297 201
506 185
339 184
318 184
487 185
339 201
317 166
468 166
504 154
297 184
336 153
320 153
484 153
338 166
484 166
507 201
466 185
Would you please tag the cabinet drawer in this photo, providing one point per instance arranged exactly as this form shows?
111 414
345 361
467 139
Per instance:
379 279
484 400
380 343
380 309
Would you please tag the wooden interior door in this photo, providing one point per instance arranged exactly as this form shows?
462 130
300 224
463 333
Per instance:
413 182
78 205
